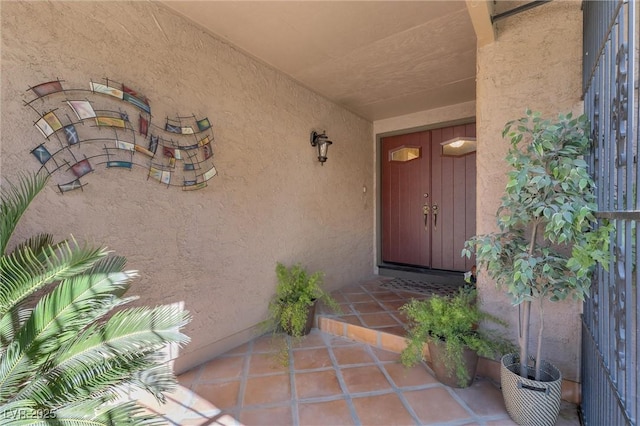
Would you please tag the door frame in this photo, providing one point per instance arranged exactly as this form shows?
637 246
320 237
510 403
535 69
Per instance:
378 263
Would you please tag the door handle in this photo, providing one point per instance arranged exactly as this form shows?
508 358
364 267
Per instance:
435 216
425 212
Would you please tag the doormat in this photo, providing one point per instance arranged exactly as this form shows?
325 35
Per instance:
425 288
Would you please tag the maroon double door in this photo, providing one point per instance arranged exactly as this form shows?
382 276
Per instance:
428 200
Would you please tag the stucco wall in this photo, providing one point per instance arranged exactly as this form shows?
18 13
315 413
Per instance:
534 63
215 249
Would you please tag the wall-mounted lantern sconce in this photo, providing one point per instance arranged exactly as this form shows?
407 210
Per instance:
459 146
322 142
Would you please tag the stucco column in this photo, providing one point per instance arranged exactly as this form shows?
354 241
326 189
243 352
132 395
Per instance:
535 62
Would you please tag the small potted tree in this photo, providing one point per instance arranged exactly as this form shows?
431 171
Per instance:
292 308
547 246
449 326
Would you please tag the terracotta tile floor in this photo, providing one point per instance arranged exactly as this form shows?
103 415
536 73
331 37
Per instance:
333 380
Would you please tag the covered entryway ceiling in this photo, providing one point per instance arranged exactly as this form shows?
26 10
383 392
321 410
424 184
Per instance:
379 59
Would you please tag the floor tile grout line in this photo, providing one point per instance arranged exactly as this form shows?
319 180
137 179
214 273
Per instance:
191 396
319 399
396 318
342 383
356 312
376 299
360 364
394 387
313 370
292 383
462 403
243 380
188 411
357 315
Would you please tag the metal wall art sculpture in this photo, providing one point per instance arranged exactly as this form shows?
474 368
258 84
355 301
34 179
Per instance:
110 125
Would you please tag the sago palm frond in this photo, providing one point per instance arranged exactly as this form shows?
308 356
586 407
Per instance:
15 413
156 380
128 331
69 308
14 201
10 324
57 318
37 244
105 413
75 350
12 370
105 378
22 273
90 413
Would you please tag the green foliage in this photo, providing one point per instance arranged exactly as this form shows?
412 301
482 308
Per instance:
296 292
549 240
68 348
453 321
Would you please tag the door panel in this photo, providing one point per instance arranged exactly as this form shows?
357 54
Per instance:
450 183
404 183
454 190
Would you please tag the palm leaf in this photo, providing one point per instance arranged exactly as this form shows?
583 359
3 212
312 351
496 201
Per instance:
70 307
156 380
106 378
12 370
57 318
99 412
22 273
10 323
103 413
14 201
127 332
15 413
37 243
61 352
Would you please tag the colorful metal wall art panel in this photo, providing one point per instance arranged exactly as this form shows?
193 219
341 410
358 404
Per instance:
109 126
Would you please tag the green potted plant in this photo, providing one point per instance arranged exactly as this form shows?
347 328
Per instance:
292 308
546 248
449 326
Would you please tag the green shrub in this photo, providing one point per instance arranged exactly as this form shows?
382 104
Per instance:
454 321
296 292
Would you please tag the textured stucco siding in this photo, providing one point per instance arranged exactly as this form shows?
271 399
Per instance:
214 249
534 63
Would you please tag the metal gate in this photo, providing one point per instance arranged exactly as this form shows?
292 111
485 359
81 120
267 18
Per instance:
610 333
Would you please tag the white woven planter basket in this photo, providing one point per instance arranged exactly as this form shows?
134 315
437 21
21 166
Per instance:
530 402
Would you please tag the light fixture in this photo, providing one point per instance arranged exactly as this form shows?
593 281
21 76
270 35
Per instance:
458 146
322 142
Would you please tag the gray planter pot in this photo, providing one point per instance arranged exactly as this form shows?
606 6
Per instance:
530 402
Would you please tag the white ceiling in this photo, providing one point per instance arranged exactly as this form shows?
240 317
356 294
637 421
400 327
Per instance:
379 59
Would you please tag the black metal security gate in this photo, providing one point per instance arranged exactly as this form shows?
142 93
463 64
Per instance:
610 332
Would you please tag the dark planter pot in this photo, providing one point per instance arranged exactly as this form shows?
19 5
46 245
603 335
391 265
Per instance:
311 313
449 378
530 402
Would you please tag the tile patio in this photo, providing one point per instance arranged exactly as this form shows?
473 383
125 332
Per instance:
346 372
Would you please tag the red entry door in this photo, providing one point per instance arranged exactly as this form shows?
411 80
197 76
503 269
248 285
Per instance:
428 201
